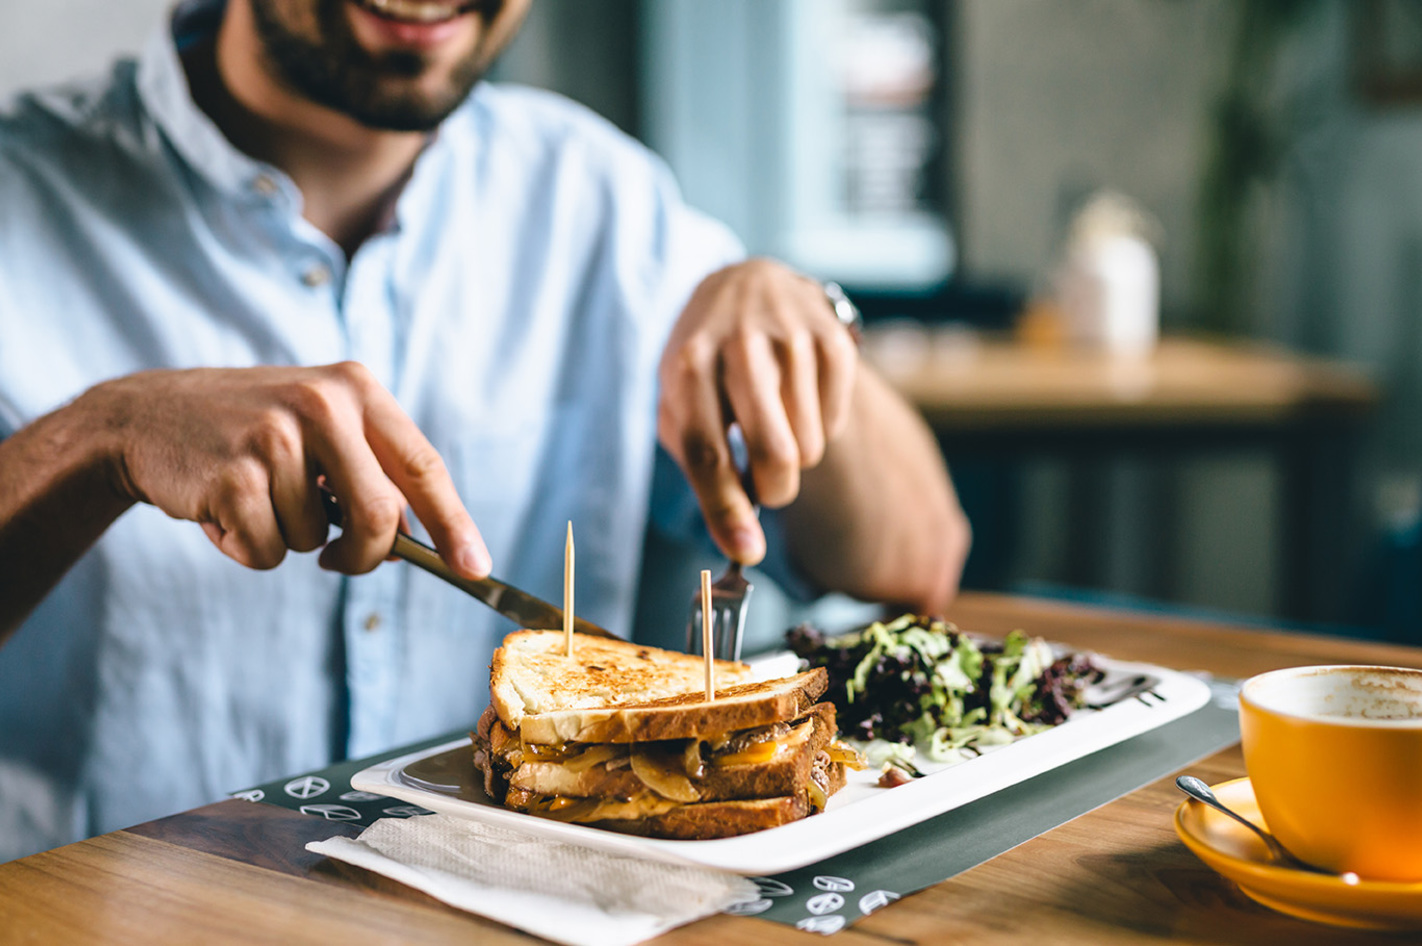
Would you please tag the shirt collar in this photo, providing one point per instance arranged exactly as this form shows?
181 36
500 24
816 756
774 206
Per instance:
163 87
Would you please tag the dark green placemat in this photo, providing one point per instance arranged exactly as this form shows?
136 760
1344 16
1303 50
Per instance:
327 792
828 896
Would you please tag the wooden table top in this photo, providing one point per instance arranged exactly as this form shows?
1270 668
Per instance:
238 872
962 381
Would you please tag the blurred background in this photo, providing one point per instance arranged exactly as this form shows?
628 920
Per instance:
987 177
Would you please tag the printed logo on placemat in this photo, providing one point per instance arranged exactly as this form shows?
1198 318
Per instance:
405 811
821 924
770 887
876 900
360 796
839 884
307 786
332 812
749 907
767 887
251 794
823 903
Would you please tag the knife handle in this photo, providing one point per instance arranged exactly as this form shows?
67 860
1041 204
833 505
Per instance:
406 547
523 609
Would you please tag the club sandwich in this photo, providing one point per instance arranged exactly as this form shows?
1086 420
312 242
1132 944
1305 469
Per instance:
622 736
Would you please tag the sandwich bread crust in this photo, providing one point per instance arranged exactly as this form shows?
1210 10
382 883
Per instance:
532 674
623 737
680 716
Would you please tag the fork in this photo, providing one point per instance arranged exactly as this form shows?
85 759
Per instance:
729 595
731 591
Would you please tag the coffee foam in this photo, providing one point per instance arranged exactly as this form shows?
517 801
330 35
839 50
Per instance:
1342 694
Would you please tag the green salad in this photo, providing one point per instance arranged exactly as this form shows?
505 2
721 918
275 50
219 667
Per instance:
918 684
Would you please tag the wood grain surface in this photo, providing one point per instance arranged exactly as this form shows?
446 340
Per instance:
961 383
237 872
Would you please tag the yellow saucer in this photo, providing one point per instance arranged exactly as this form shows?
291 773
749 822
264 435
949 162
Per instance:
1237 853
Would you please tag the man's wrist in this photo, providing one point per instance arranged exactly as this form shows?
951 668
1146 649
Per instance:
99 422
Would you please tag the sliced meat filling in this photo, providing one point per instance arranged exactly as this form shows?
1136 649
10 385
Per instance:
762 761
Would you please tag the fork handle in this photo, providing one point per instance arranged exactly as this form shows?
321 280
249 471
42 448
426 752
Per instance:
740 459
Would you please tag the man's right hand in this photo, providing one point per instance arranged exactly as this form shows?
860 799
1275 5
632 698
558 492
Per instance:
240 451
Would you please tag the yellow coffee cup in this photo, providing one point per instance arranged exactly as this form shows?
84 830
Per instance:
1334 755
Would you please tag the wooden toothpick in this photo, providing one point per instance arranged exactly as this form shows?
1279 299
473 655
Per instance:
706 634
568 589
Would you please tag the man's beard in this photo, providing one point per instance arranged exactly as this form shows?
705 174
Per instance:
337 72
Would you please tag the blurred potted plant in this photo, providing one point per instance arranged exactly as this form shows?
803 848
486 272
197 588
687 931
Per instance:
1247 139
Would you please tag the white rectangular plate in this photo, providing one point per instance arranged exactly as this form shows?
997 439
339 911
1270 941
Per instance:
860 813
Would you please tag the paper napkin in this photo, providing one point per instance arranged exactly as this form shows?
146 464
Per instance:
568 894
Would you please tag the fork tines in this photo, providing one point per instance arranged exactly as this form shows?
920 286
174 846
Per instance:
729 595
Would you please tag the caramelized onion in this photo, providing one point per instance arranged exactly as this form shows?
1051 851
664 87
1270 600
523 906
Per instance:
594 755
818 798
848 755
546 753
662 776
564 808
691 761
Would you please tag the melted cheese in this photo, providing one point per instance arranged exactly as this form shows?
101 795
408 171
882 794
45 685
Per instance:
563 808
671 776
752 755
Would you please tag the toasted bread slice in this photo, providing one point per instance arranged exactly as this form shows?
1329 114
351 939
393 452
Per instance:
688 715
647 814
532 675
725 819
760 763
721 819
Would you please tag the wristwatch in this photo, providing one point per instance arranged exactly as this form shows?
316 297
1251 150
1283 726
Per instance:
845 310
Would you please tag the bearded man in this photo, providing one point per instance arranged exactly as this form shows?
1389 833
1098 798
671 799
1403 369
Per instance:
299 243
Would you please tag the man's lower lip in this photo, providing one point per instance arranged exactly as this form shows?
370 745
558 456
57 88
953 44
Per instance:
407 33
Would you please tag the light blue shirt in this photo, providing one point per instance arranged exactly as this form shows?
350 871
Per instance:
517 307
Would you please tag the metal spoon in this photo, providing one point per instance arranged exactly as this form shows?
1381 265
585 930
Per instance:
1199 791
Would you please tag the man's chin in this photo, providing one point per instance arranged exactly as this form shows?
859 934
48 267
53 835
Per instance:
412 113
380 87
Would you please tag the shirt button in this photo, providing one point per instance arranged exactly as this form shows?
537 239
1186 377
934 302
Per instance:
372 622
265 185
317 275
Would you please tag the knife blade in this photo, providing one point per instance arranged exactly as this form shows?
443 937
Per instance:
519 606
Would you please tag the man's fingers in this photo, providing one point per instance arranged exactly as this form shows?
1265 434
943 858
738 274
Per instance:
370 503
753 387
800 391
724 504
415 467
296 500
838 360
242 522
692 426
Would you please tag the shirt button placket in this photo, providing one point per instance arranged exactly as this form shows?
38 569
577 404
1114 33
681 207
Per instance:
316 275
373 647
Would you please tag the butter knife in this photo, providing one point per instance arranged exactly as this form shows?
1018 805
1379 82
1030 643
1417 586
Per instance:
518 606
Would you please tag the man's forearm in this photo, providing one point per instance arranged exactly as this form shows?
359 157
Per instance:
878 518
56 498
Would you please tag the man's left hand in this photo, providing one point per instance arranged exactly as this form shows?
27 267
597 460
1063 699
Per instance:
758 345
